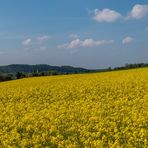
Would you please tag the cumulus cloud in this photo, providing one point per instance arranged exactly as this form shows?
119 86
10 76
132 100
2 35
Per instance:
127 40
36 41
106 15
138 12
78 43
27 41
43 38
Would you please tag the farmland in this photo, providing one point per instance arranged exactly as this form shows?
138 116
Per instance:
84 110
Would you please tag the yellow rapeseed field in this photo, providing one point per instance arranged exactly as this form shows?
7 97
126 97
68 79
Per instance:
75 111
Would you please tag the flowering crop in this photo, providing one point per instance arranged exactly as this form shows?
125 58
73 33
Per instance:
84 110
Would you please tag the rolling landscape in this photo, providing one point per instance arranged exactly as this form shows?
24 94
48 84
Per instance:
92 91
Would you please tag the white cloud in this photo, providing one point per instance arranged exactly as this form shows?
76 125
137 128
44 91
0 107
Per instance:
73 44
106 15
77 43
43 38
74 36
127 40
91 42
27 41
138 12
36 41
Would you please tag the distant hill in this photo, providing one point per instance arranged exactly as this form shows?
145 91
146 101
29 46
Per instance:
18 71
14 68
24 68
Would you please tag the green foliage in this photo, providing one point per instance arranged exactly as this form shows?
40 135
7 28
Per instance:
6 77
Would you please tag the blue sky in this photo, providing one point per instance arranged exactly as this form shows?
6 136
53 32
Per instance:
85 33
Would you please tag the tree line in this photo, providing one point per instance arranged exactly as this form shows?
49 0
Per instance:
20 75
36 73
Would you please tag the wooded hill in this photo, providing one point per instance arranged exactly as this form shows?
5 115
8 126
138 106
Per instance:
17 71
40 68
